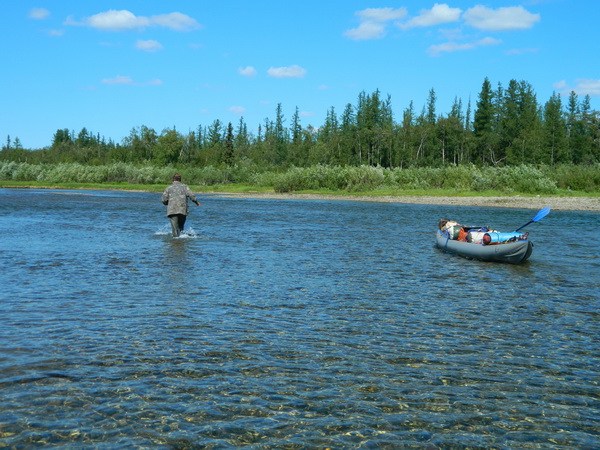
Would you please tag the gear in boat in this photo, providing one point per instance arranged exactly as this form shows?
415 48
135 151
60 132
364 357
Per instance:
478 235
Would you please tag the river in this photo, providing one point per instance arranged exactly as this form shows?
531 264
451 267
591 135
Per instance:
291 324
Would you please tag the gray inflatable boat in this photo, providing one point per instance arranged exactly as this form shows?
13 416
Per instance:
513 252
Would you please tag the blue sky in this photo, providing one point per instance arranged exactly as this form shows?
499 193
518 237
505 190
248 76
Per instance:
111 66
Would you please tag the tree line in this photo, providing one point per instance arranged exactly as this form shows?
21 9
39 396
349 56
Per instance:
506 127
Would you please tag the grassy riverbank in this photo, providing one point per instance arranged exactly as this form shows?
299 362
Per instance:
447 185
232 188
241 188
546 180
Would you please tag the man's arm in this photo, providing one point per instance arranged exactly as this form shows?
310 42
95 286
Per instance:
192 197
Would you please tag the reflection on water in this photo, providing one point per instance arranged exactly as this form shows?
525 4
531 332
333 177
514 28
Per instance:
290 324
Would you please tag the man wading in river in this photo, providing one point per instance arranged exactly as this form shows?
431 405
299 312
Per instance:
176 198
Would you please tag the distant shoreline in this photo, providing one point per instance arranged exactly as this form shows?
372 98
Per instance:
565 203
534 202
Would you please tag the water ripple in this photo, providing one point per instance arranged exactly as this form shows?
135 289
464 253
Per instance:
291 324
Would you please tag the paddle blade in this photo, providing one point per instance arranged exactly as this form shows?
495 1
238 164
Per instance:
541 214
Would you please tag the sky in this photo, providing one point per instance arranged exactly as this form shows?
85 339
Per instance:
111 66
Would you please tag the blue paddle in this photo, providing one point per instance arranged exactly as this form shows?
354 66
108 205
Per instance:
539 216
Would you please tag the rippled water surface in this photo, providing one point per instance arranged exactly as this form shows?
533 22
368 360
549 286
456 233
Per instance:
290 323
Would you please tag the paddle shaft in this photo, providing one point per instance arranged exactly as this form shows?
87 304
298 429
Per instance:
523 226
539 216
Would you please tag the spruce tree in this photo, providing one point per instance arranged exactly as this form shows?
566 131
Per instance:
555 132
483 124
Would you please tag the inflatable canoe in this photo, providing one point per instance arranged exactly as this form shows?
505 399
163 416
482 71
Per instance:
513 251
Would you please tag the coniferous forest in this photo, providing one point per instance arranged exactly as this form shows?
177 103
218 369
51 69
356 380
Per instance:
506 128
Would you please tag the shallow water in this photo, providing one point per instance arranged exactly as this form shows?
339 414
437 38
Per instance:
290 323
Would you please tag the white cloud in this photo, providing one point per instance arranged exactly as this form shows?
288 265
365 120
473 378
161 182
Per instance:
149 45
239 110
119 79
560 85
247 71
508 18
294 71
381 14
175 21
438 14
450 47
128 81
116 20
122 20
366 31
583 86
38 13
588 87
373 22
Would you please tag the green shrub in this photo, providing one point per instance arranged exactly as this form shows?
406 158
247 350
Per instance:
411 178
510 179
525 179
334 178
577 178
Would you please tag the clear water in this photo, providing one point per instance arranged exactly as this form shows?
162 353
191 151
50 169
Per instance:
290 323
